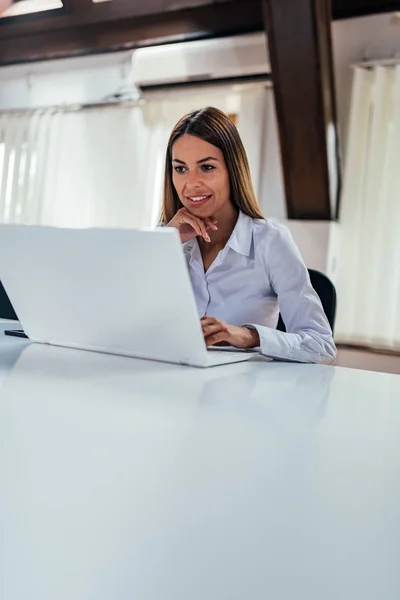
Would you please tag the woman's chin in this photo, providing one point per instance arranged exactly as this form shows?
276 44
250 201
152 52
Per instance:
203 210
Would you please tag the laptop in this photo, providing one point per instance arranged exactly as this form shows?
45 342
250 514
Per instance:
117 291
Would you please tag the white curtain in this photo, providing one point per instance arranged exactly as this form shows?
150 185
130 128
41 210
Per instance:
103 166
75 168
369 266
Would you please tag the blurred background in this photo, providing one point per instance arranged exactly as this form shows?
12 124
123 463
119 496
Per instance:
90 90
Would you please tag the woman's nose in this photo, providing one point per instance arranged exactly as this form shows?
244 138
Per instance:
192 179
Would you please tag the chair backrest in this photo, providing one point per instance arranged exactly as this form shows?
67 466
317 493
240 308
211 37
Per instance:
6 308
327 294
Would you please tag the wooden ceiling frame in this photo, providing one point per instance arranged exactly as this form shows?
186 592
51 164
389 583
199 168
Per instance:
86 30
84 27
82 13
301 57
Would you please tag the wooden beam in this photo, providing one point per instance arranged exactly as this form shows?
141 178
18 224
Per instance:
31 42
302 72
85 12
78 13
346 9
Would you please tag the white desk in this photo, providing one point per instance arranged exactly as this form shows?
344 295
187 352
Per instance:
124 479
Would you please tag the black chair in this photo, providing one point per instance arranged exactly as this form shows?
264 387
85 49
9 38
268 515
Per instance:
327 294
6 308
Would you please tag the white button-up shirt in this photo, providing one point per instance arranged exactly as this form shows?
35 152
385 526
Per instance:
260 267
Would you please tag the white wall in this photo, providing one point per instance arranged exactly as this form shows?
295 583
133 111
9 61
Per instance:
64 82
315 241
272 190
373 37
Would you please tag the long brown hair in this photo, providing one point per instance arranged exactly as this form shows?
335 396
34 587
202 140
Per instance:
215 127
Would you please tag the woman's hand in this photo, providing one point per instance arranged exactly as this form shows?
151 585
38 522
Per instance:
217 332
190 226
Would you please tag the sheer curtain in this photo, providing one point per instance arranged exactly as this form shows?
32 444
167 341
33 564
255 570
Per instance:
75 168
103 166
369 266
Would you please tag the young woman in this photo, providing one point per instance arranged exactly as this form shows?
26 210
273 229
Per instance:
241 266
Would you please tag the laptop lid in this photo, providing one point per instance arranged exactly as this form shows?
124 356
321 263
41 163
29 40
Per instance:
111 290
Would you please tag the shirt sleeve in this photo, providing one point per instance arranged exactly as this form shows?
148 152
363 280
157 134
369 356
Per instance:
309 336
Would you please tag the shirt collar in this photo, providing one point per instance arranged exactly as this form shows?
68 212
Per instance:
240 240
242 235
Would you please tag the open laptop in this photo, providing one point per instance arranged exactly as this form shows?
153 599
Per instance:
117 291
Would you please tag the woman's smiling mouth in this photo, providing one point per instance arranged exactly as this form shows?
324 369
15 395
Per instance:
198 200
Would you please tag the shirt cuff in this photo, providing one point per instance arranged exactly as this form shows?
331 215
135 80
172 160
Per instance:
273 343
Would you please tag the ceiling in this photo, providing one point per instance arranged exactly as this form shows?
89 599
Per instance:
76 27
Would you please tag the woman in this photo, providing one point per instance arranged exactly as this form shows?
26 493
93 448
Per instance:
241 266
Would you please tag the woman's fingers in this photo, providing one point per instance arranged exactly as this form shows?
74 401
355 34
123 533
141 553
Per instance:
218 332
193 223
217 338
206 321
203 228
197 224
200 226
203 224
214 331
211 329
211 224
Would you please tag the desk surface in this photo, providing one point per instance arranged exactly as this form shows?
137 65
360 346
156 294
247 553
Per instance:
124 479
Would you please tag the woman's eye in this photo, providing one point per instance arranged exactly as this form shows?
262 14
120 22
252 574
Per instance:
179 169
208 168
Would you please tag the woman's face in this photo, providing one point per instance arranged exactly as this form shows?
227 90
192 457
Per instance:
200 176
